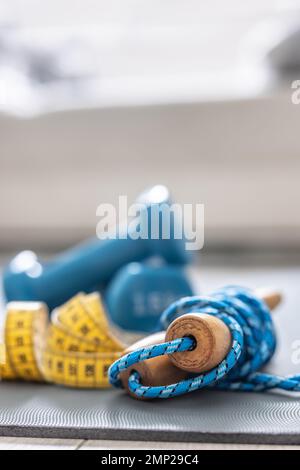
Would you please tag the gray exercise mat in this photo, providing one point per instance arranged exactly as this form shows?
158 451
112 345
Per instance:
204 416
50 411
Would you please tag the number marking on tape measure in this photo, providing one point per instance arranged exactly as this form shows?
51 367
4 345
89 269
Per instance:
75 349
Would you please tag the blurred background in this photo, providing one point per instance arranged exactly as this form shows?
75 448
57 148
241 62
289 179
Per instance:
100 99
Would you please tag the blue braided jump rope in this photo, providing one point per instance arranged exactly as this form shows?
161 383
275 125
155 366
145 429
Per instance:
253 345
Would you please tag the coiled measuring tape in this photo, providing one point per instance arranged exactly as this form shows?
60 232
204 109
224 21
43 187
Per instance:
74 349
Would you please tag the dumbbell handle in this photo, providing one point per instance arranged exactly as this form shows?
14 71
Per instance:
213 343
89 264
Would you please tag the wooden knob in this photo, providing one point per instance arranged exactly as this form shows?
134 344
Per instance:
212 341
212 337
155 371
271 298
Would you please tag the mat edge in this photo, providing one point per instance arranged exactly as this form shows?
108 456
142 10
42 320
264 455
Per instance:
149 435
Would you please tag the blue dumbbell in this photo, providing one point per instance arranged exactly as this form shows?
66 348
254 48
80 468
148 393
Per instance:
92 263
139 293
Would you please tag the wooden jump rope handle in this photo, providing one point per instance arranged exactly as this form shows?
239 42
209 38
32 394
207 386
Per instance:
213 342
156 371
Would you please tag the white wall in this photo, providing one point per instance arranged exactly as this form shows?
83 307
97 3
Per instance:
241 159
238 156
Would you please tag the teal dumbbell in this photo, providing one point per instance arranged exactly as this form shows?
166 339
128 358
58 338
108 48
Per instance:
94 262
139 293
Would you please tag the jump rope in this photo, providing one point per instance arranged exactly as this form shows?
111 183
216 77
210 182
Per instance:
253 343
220 342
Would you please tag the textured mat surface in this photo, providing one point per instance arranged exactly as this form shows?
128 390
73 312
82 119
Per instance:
45 411
50 411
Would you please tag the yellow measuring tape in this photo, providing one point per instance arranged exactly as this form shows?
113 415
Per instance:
75 348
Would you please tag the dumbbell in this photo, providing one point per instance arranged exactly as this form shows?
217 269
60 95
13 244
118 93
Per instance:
94 262
140 292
